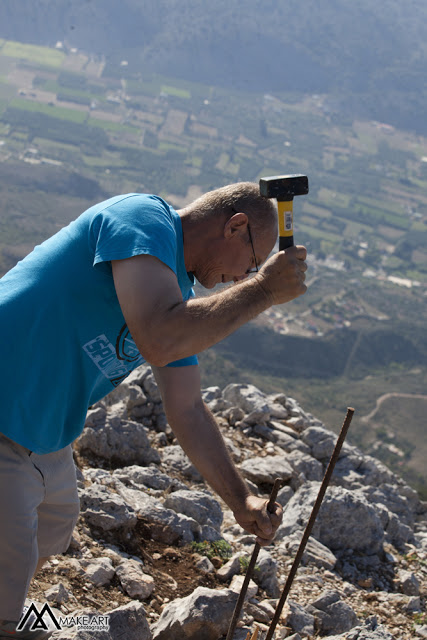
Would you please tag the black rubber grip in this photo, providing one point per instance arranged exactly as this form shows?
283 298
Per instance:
286 242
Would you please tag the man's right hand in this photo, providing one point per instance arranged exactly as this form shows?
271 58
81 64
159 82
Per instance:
282 276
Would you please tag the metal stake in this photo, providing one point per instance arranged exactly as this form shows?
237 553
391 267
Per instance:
310 524
251 566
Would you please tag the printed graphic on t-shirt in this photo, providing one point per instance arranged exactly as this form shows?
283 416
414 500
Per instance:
115 362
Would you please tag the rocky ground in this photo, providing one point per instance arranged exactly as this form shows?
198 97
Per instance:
162 556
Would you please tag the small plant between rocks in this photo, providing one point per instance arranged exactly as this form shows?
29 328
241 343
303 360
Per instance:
218 548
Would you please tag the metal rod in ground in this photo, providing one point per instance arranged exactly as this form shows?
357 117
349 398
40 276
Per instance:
251 567
311 521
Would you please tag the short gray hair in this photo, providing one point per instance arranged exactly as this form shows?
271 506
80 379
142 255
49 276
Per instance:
239 197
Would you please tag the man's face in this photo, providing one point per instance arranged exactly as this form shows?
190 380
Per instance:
234 256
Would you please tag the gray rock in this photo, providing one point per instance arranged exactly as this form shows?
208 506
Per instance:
165 524
100 571
284 495
134 581
300 620
331 614
204 565
263 431
120 440
389 495
321 442
199 505
266 470
306 466
267 574
409 583
237 583
253 402
370 630
104 509
315 552
174 458
130 622
211 393
298 422
234 415
346 519
58 594
151 477
229 569
397 532
150 387
203 615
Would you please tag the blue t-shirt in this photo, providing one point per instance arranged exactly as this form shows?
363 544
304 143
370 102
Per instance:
64 341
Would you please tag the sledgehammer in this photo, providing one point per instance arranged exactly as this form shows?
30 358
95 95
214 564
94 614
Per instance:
284 188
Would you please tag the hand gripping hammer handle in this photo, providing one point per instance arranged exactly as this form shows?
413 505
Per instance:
251 567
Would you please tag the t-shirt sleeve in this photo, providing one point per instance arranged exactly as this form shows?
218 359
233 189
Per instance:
137 224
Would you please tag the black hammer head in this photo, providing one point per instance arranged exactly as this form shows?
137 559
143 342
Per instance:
284 187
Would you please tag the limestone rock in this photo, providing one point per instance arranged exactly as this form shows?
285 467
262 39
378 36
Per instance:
371 630
409 584
253 402
58 594
204 565
147 477
300 620
199 505
104 509
134 581
331 614
237 583
229 569
129 622
321 442
203 615
267 577
165 524
174 458
119 440
150 387
100 571
266 470
315 552
306 466
346 519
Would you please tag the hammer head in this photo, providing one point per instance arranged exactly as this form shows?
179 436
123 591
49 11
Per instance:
284 187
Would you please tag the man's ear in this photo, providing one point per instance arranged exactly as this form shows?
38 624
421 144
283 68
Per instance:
235 225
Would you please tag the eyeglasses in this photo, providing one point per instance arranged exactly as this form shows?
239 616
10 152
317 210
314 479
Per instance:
254 269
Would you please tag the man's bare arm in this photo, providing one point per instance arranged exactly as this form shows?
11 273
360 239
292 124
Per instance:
198 434
165 328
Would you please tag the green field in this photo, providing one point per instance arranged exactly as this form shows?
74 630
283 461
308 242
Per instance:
38 55
49 110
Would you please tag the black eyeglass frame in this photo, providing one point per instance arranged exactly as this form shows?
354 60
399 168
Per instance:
254 269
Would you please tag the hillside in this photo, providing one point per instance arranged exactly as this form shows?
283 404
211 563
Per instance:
370 58
160 556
